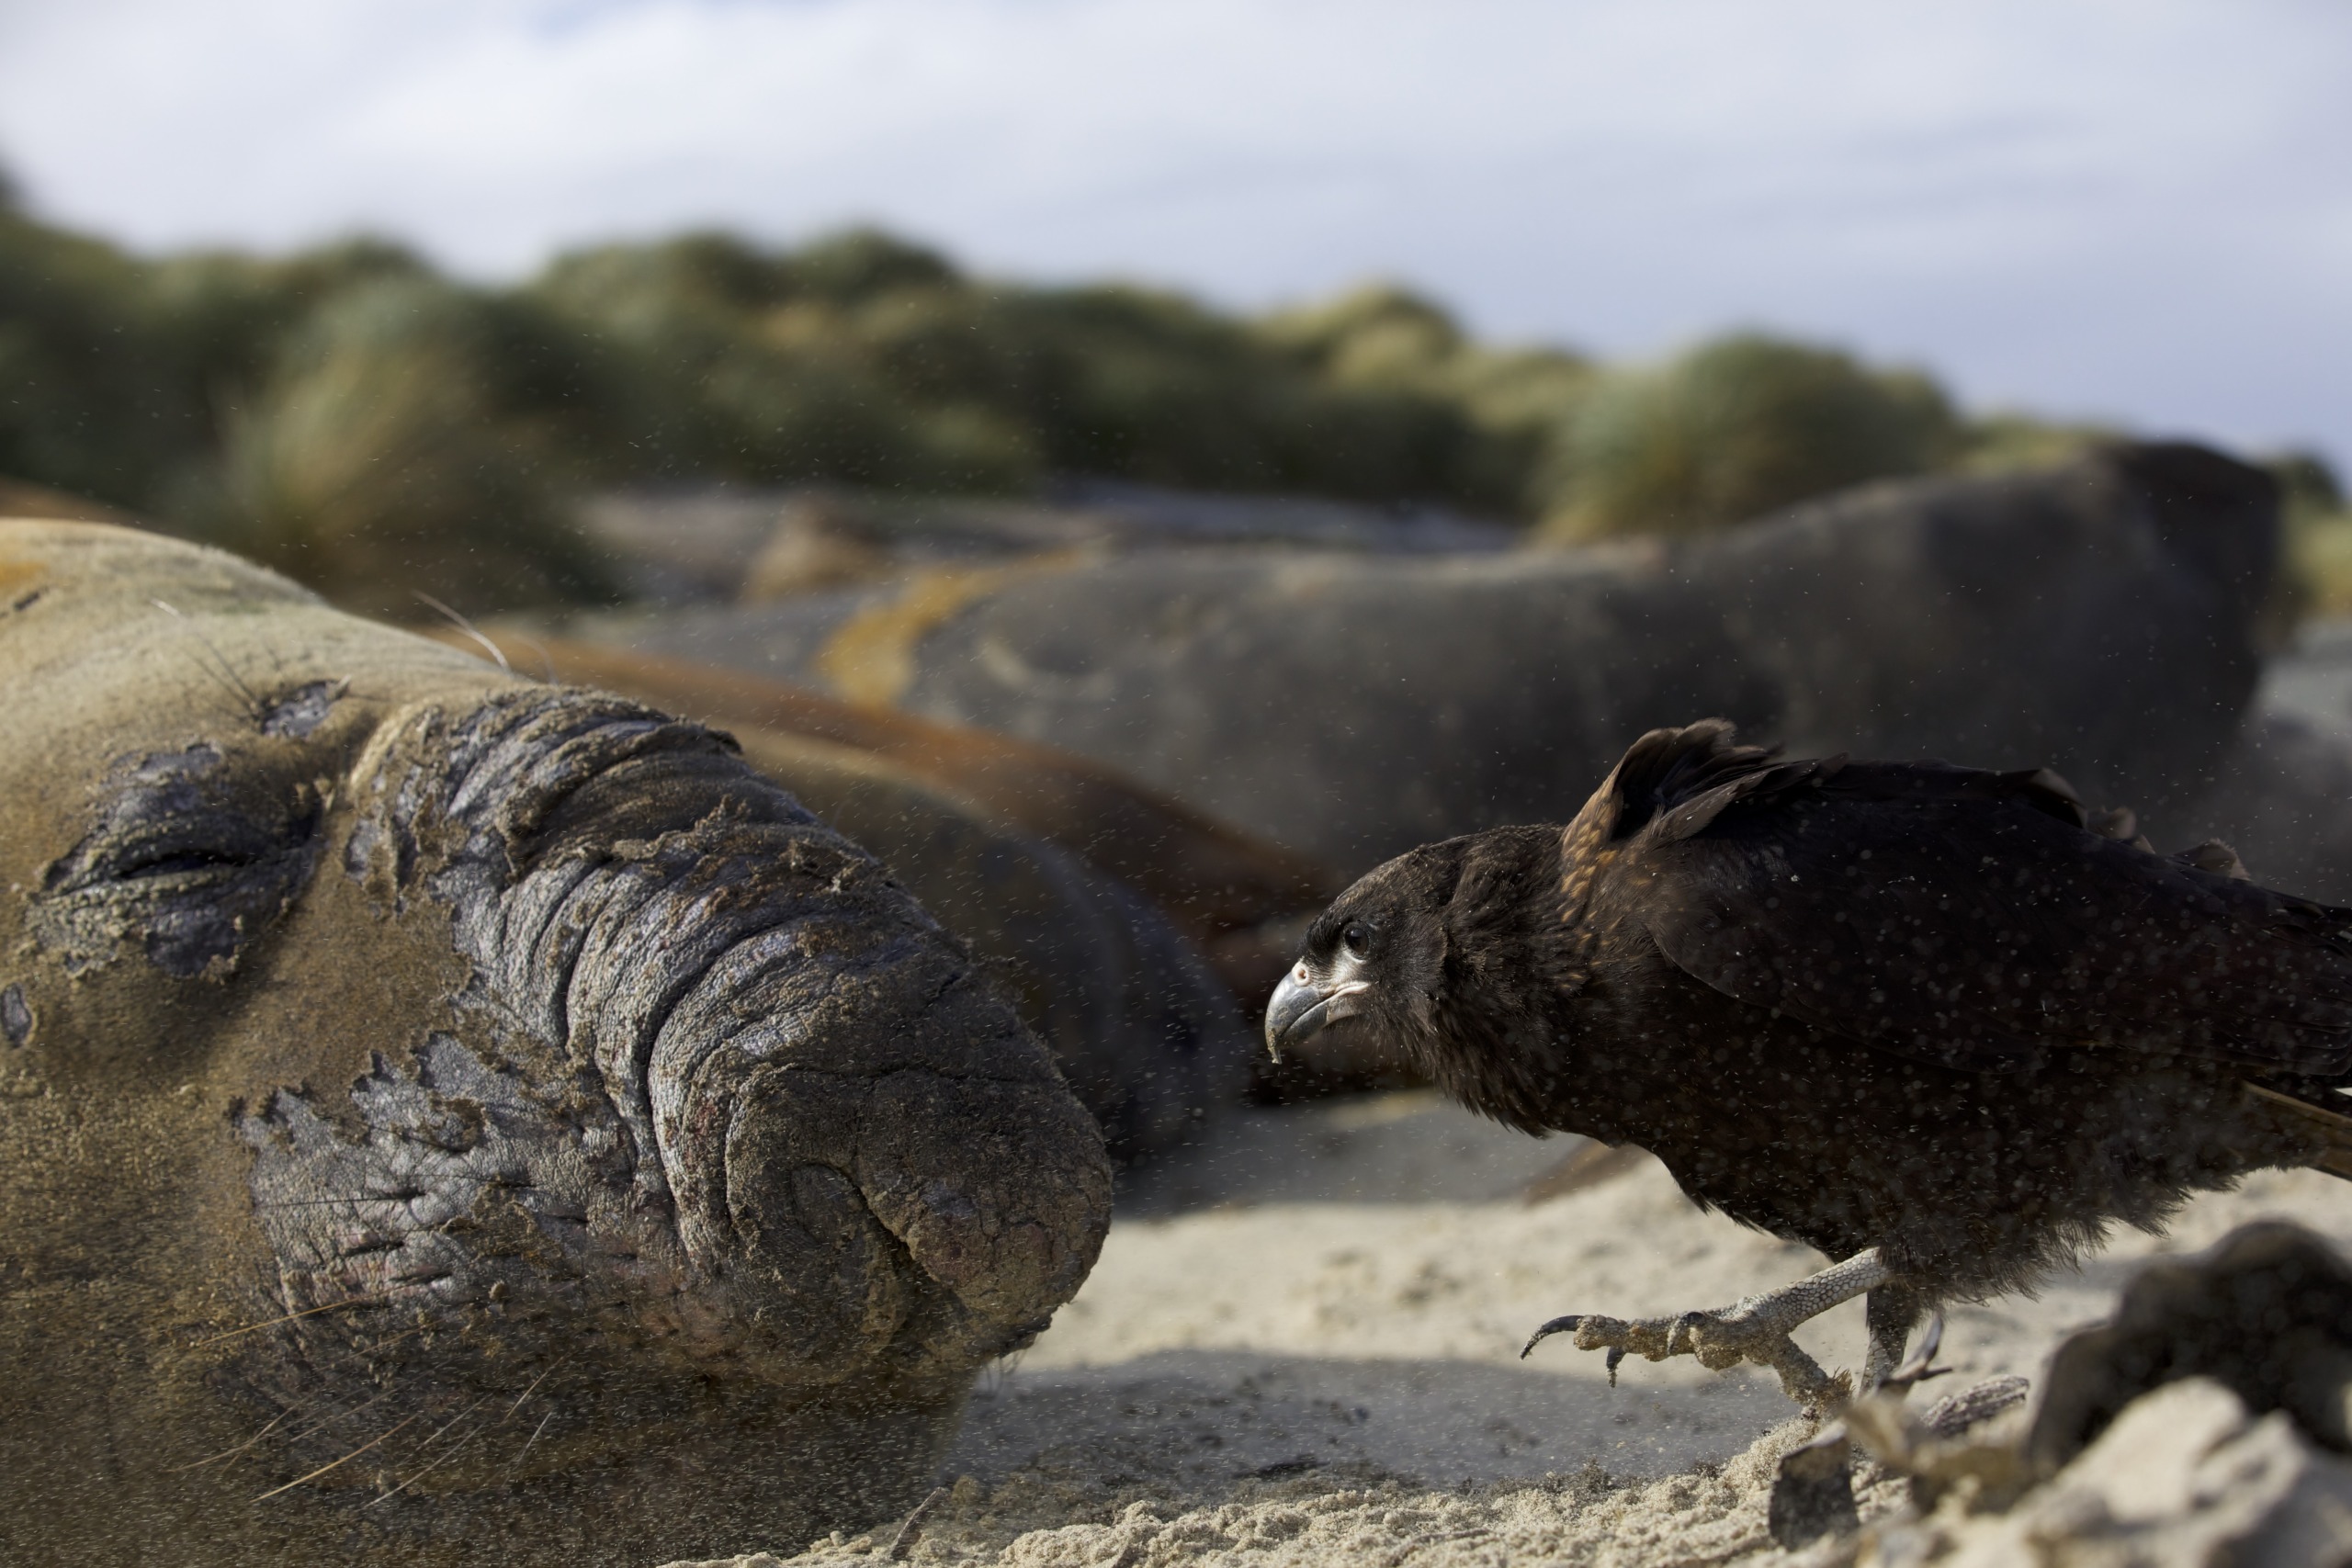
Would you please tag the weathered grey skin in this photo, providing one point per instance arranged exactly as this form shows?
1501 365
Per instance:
1112 914
489 1106
1146 1038
2097 618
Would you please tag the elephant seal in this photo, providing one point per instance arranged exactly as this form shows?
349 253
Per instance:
1215 882
1143 1035
1065 871
2101 616
447 1118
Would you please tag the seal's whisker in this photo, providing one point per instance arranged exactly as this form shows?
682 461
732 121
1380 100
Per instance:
497 1180
458 1448
547 659
442 1431
420 1475
340 1415
335 1465
997 1373
316 1427
252 708
529 1440
306 1312
527 1392
292 1410
465 627
362 1355
230 1453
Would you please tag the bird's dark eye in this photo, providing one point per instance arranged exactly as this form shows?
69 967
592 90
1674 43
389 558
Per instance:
1356 937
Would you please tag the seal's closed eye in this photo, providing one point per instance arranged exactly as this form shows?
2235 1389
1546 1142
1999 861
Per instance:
196 842
180 863
191 857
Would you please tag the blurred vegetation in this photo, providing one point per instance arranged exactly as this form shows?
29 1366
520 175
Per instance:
1493 423
408 437
364 423
2319 532
1740 427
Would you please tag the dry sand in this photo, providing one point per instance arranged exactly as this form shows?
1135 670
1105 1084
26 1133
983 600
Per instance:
1302 1346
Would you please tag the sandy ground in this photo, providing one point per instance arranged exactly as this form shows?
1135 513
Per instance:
1302 1345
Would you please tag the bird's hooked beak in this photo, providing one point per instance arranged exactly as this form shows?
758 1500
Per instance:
1302 1007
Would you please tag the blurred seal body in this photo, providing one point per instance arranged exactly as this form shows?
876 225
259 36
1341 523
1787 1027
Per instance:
432 1104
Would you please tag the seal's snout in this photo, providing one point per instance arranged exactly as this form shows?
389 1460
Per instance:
855 1207
857 1141
791 1240
859 1132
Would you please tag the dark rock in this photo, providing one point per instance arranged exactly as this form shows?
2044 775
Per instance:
2266 1313
1812 1493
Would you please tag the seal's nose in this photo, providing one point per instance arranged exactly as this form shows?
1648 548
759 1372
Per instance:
792 1237
971 1207
862 1149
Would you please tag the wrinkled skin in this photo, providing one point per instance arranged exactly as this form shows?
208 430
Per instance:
488 1107
1143 1035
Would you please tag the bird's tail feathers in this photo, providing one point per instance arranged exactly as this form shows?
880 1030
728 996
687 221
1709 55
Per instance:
2330 1117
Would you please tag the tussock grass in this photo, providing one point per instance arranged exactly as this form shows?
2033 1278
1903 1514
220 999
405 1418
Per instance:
376 429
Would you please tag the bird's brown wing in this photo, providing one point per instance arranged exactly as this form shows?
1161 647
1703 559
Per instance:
1966 918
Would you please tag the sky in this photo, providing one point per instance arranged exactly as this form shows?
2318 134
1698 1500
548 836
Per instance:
2135 210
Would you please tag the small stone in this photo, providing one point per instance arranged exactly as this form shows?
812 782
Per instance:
1813 1495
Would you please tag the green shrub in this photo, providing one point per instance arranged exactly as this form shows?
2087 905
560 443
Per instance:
409 443
1517 406
89 402
858 265
2308 485
2318 581
353 417
1740 427
2006 441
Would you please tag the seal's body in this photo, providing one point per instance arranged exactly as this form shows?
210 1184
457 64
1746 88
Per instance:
447 1116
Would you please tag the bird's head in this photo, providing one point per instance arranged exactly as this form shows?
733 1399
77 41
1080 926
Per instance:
1419 953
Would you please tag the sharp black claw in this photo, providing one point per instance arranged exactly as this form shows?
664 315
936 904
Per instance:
1568 1325
1616 1354
1919 1367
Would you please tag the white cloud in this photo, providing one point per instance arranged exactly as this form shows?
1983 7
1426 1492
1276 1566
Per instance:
2141 208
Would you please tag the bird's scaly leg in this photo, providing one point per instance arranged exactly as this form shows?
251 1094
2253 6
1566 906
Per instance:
1755 1329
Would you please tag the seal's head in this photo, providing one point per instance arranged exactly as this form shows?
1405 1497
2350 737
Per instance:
458 1097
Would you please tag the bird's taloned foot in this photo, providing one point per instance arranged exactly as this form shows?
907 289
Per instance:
1756 1329
1891 1312
1888 1368
1719 1339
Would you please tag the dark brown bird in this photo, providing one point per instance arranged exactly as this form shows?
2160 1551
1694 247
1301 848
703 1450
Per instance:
1919 1017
